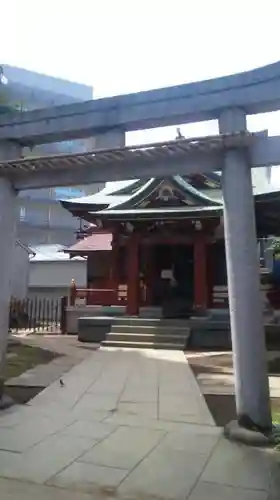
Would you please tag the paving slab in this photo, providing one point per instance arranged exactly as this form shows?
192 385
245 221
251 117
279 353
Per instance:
45 459
69 349
67 345
18 490
209 491
131 420
90 478
164 473
145 409
126 423
195 439
28 433
95 430
41 375
239 466
274 491
124 448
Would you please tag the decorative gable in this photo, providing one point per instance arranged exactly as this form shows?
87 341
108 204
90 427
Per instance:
167 194
161 193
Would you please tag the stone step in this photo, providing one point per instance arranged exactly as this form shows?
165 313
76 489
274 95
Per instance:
155 313
142 345
151 329
147 337
131 320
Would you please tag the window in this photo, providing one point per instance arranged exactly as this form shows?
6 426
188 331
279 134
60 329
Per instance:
66 192
22 213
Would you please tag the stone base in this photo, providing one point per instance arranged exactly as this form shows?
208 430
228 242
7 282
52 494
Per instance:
209 335
6 402
234 432
94 329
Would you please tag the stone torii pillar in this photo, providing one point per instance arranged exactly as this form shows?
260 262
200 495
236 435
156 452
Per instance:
8 209
246 312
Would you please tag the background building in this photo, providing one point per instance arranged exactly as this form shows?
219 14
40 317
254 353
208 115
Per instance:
41 217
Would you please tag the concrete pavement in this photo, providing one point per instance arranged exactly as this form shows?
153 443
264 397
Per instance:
132 424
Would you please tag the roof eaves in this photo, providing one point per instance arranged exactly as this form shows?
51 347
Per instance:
26 248
195 192
141 194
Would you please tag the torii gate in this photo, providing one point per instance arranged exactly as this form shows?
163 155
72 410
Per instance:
234 152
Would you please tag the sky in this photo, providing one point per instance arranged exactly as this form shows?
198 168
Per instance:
123 46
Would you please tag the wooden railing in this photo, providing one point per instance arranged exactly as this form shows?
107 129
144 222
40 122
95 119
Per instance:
100 296
220 295
96 296
104 295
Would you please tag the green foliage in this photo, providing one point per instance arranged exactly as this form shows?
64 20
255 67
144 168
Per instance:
276 419
276 247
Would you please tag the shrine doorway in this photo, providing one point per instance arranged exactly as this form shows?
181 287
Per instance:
173 276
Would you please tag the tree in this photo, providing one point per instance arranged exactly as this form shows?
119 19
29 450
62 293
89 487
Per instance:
276 247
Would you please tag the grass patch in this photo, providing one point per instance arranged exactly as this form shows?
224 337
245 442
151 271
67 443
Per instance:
21 358
276 417
275 410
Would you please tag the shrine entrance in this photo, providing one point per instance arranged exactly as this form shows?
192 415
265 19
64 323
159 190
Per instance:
172 286
174 273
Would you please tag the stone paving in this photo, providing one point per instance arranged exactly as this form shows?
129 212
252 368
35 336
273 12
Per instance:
127 424
71 353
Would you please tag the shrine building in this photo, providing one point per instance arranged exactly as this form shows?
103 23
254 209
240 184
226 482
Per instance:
159 243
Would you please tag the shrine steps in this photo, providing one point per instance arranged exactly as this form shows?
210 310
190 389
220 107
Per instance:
160 323
149 328
143 345
148 334
210 332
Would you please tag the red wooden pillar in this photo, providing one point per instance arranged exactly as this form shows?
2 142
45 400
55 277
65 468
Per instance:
149 273
200 272
210 262
132 308
114 270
